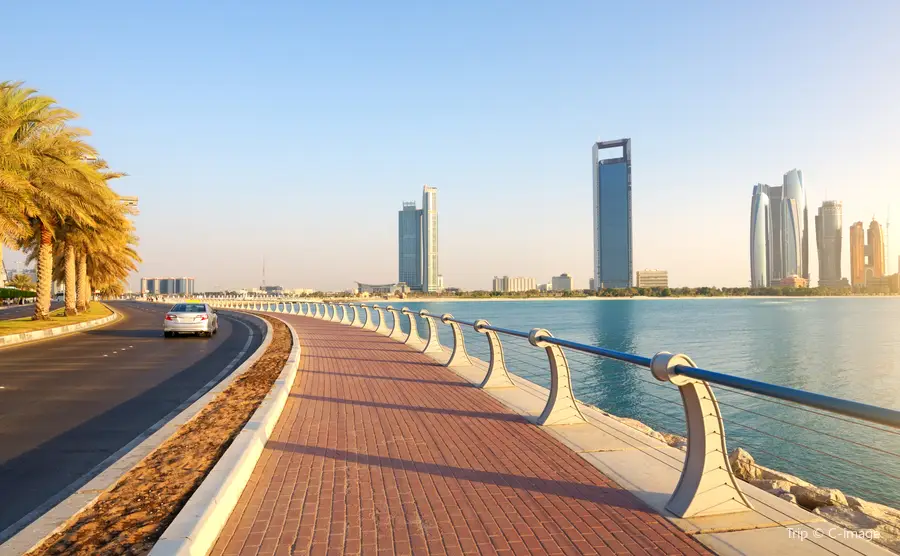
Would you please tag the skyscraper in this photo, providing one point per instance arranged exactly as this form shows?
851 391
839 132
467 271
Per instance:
779 235
612 216
794 225
418 243
857 254
429 239
875 251
410 260
761 242
829 225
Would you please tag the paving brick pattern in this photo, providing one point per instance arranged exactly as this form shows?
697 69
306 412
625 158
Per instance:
381 451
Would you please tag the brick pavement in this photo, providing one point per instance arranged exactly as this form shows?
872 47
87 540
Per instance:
381 450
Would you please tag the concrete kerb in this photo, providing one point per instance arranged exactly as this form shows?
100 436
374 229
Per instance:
56 332
198 524
65 512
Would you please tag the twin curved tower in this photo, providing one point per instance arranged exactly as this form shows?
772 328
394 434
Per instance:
779 231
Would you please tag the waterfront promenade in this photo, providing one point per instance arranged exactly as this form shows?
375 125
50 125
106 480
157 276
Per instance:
382 450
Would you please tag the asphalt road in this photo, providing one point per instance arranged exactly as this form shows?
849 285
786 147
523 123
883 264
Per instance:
19 311
68 404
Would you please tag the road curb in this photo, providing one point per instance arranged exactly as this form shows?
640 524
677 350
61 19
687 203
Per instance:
197 526
62 514
27 337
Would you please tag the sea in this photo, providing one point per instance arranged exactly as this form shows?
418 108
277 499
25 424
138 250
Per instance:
842 347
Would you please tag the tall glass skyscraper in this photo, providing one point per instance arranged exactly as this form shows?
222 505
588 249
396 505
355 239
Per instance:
829 237
418 243
429 240
612 216
779 235
410 254
760 238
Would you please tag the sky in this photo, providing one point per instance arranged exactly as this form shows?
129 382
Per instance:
292 132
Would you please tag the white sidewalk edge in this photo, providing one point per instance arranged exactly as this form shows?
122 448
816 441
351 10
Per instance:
26 337
198 524
63 513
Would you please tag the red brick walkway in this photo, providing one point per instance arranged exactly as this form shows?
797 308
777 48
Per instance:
380 450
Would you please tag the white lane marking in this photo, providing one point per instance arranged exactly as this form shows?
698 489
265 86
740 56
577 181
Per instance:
104 355
25 520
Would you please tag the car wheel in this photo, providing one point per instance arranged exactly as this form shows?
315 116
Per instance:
167 334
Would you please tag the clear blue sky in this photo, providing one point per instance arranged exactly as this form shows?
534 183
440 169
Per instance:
295 130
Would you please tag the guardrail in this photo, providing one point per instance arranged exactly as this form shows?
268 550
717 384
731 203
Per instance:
707 485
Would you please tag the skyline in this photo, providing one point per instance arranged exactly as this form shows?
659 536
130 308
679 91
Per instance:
465 97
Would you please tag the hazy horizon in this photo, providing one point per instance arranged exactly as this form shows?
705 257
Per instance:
301 130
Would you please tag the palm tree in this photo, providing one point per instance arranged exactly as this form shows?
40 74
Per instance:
41 153
22 282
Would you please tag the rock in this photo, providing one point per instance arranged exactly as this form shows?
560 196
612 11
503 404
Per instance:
879 511
812 497
878 530
774 475
743 465
784 495
637 425
770 485
676 441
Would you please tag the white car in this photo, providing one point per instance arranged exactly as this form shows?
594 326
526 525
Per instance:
191 318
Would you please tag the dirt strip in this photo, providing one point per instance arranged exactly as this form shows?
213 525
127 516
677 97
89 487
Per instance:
130 517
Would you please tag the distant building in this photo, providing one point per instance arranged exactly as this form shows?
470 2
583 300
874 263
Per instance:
514 284
612 215
794 281
653 278
875 250
418 243
591 284
167 286
866 257
563 282
779 234
440 281
273 290
382 289
829 239
545 287
857 254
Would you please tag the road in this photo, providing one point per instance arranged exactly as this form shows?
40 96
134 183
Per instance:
68 404
19 311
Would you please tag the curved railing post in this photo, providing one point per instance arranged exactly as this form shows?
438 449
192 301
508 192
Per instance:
707 485
381 328
497 375
369 325
356 321
459 357
334 313
317 314
433 345
303 310
413 336
396 331
561 408
345 318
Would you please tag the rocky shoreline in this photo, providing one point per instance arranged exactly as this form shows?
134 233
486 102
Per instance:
876 522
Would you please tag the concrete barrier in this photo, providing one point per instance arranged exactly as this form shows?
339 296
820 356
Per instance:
25 337
198 524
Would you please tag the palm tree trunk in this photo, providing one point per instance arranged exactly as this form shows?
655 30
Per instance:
71 281
2 268
81 286
45 276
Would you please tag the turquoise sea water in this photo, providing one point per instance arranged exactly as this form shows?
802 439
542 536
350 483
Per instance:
843 347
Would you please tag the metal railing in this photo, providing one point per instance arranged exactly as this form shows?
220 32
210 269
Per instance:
707 485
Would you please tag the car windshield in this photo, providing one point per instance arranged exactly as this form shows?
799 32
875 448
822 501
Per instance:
185 308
